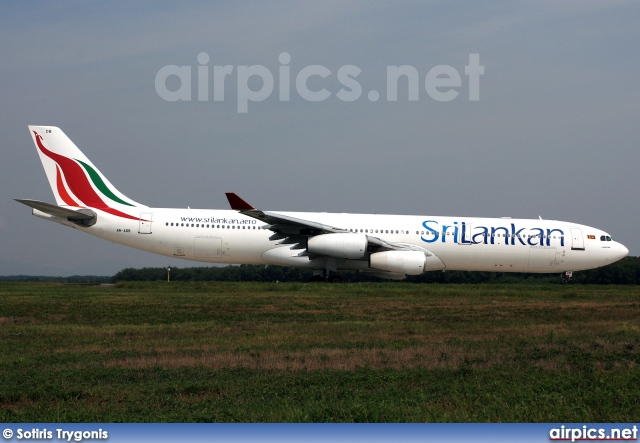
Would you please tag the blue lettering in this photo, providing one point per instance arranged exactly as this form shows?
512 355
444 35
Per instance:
435 233
484 234
549 231
516 234
444 233
531 238
466 234
495 230
471 234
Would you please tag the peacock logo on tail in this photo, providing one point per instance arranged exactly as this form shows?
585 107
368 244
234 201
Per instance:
74 179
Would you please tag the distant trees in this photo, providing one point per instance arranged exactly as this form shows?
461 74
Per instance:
82 279
625 272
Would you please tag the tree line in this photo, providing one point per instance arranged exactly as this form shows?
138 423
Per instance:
78 279
623 272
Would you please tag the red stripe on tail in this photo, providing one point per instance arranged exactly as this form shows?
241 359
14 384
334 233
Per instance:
78 182
62 190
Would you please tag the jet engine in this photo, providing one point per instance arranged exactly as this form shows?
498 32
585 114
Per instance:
399 262
347 245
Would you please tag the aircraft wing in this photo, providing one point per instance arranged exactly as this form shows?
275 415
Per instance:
58 211
280 221
288 228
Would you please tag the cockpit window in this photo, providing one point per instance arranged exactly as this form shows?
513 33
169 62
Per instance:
605 238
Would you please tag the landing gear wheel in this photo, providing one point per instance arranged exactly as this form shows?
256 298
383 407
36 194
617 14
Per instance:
566 276
316 278
334 279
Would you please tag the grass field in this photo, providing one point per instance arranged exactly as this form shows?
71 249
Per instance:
265 352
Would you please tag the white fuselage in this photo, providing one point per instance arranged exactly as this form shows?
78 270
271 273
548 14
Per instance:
453 243
388 246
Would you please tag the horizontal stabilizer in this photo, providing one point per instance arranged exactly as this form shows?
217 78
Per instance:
58 211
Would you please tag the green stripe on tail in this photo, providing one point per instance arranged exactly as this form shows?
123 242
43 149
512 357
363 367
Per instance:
97 181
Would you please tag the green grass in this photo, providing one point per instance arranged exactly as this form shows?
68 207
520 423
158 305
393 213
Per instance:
264 352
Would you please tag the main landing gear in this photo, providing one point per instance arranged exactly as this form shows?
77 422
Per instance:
324 276
566 276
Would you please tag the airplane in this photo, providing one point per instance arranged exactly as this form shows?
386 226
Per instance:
385 246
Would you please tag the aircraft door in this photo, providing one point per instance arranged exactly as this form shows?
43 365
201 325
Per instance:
145 224
466 234
577 241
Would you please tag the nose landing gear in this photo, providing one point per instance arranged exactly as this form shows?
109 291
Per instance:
566 276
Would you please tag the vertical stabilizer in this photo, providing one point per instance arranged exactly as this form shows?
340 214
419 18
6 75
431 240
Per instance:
74 180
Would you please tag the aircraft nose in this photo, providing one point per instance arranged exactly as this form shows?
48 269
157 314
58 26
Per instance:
623 250
615 252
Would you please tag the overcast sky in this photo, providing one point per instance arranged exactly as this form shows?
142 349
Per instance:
554 133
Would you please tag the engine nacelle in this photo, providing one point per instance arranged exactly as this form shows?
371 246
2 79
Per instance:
399 262
346 245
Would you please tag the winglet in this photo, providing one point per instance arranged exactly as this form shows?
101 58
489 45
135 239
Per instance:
237 203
